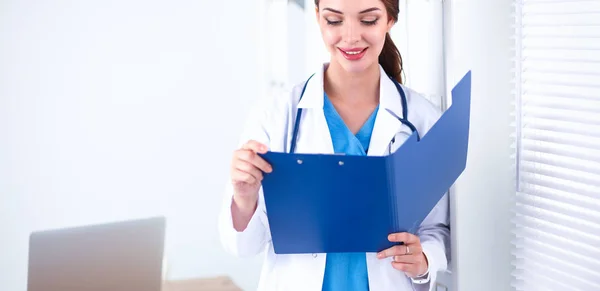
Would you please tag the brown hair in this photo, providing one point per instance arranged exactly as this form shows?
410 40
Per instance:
389 58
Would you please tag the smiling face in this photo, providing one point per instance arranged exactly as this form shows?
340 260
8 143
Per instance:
354 31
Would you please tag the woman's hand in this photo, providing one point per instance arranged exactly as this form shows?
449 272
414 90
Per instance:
409 257
247 169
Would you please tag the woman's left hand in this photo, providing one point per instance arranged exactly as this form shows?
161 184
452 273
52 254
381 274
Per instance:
409 257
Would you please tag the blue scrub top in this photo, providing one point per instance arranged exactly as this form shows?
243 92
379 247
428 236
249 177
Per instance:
347 271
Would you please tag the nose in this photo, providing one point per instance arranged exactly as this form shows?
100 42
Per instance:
351 33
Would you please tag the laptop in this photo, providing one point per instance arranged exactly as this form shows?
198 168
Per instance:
117 256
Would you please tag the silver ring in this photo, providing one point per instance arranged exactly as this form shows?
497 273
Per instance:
407 250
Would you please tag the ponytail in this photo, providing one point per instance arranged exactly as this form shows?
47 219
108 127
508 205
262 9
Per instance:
390 59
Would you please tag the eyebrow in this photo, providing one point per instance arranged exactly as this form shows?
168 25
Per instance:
340 12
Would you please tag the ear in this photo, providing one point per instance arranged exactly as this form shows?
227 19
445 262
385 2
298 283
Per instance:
390 25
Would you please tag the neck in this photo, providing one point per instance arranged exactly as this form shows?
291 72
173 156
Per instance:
349 87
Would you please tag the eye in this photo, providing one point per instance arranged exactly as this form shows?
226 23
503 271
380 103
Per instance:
333 22
370 22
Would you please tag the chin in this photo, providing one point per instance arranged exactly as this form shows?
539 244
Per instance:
356 67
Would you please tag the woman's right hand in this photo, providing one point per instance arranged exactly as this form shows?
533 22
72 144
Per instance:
247 169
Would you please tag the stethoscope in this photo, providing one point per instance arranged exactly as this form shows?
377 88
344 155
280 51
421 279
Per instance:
402 119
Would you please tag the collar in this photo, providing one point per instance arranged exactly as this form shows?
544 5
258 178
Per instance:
389 97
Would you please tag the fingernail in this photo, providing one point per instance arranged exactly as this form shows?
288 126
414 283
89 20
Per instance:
379 255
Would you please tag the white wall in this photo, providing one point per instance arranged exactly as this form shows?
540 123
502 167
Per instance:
112 110
419 36
478 39
316 52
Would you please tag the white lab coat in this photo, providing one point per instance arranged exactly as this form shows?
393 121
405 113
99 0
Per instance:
272 124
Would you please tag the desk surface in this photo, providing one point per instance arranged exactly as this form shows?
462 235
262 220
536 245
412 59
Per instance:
222 283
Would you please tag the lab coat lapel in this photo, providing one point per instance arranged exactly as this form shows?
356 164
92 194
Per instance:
313 134
386 123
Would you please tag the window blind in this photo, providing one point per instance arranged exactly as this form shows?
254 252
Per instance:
556 222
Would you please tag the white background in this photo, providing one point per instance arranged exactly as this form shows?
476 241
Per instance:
112 110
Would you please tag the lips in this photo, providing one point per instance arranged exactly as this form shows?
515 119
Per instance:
353 54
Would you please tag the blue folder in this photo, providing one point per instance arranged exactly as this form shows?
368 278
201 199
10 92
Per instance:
336 203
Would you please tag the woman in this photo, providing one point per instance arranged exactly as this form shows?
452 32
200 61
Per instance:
351 105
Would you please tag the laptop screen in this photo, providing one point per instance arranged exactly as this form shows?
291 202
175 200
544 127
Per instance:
119 256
